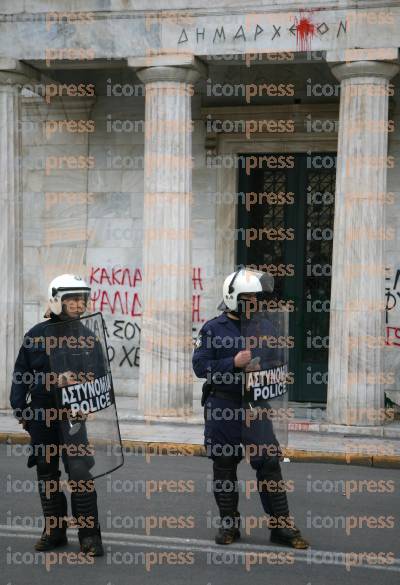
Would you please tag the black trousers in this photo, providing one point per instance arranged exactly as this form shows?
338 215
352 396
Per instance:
226 439
46 449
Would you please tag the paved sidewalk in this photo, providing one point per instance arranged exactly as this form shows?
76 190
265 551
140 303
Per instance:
163 437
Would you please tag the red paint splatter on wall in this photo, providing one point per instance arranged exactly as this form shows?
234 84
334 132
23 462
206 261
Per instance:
305 30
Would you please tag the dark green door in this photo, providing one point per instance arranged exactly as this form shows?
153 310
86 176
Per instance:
285 222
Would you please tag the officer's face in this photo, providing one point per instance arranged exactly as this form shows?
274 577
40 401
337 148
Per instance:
249 303
74 306
249 298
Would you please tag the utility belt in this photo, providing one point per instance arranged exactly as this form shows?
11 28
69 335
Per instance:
210 390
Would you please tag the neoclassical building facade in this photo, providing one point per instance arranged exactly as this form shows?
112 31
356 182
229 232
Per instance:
155 150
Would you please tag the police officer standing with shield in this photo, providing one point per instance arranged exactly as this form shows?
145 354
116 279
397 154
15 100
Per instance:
56 431
222 354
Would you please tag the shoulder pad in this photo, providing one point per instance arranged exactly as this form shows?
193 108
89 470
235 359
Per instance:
208 325
205 330
211 320
37 329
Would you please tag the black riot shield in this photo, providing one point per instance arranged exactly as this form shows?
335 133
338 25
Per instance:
266 381
84 395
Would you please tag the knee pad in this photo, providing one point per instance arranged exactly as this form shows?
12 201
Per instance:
47 468
224 470
225 484
269 467
226 461
84 509
53 500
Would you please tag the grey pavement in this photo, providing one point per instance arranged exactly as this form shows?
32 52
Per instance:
157 515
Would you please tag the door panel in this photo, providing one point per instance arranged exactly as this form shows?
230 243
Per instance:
299 201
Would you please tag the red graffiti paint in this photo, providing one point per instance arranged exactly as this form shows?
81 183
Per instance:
114 294
305 30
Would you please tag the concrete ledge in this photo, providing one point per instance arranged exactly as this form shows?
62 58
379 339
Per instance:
158 448
150 448
333 457
389 430
390 461
14 438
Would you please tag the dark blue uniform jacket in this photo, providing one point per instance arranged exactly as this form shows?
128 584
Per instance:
32 361
218 342
32 370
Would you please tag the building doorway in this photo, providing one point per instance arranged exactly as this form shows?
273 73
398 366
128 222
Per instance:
298 200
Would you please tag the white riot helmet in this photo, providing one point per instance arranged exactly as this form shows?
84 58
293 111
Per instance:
244 281
61 286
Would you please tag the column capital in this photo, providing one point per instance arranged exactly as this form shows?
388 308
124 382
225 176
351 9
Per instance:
172 73
13 72
365 69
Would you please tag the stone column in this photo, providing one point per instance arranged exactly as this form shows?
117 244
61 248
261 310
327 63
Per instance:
11 282
355 394
165 384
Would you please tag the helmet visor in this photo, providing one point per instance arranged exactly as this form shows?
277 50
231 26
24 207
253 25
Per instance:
75 302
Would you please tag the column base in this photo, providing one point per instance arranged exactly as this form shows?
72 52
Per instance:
364 431
188 419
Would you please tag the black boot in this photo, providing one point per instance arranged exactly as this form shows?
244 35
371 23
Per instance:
54 506
50 540
91 543
229 531
289 537
84 510
227 497
275 503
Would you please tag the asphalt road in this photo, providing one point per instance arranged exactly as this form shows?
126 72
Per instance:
349 514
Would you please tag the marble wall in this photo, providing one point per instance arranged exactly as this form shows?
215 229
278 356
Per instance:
89 220
392 254
83 199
